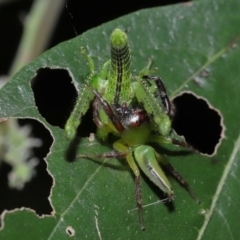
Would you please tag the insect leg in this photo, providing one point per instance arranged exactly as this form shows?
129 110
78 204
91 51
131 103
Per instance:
104 70
163 94
88 58
85 97
83 102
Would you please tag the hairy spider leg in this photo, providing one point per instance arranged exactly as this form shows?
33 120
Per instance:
163 94
108 110
96 119
170 140
161 88
181 180
183 144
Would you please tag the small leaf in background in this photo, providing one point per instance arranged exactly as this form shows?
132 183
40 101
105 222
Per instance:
16 150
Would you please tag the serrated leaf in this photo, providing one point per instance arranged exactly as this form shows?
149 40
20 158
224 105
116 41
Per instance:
97 198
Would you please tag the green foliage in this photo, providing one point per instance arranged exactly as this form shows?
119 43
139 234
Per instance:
96 198
16 150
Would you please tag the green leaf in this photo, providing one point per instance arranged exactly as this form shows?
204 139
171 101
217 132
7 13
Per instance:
97 198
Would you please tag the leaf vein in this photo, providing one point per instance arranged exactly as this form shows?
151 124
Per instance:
75 199
222 181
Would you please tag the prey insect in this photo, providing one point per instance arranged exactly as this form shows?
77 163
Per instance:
136 110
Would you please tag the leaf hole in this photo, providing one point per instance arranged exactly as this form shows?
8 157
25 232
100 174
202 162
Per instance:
55 97
53 93
199 123
70 231
36 191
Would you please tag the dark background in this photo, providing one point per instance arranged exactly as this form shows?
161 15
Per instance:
85 14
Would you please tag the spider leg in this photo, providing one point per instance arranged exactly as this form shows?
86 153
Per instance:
108 110
183 144
163 94
129 156
182 181
96 118
177 176
169 140
112 154
139 200
136 171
